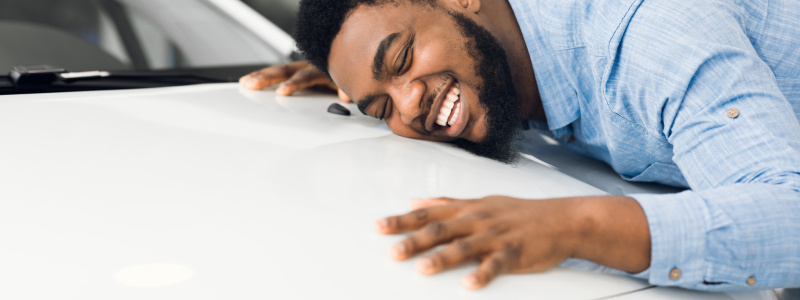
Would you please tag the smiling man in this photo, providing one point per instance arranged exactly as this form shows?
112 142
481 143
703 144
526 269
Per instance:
703 95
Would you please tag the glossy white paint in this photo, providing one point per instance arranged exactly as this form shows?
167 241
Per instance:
219 192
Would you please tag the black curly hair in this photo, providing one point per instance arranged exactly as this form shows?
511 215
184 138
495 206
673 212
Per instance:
319 21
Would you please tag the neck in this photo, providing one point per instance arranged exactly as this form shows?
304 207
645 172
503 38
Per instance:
503 24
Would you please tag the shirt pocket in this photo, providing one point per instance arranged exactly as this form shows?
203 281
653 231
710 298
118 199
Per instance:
664 173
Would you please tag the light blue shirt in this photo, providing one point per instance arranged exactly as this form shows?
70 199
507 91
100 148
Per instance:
696 94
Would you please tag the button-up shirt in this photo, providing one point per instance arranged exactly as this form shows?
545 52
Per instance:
697 94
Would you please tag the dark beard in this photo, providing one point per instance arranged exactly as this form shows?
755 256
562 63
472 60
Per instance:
496 94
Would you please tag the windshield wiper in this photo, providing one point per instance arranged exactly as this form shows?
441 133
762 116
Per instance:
45 78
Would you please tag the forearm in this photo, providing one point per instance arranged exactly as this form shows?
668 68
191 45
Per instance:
612 231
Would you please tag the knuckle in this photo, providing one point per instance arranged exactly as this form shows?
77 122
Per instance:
495 230
481 215
438 260
511 251
435 229
411 245
495 265
285 69
392 222
462 247
420 215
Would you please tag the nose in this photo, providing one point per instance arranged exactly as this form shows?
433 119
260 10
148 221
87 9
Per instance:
407 99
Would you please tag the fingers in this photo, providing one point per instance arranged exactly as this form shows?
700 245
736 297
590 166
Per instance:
414 220
432 235
303 78
417 203
294 76
456 253
261 79
491 267
267 77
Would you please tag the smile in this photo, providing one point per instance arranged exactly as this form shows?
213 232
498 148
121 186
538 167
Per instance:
448 112
451 111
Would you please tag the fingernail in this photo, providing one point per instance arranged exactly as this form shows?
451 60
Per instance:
470 282
282 89
398 251
425 265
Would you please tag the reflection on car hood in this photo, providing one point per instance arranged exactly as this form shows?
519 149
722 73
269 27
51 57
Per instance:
219 192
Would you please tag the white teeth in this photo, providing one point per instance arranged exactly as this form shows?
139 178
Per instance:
455 115
445 112
448 106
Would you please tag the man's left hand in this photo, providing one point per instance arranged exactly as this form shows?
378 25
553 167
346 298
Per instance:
512 235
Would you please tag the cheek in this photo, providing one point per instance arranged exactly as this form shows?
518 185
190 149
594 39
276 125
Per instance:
440 52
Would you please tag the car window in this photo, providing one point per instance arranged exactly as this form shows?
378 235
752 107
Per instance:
82 35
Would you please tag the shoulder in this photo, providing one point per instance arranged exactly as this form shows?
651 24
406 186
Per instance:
670 48
676 36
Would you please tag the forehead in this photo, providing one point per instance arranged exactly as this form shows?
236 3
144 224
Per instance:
354 47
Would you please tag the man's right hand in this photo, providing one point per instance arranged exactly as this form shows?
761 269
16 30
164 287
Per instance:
292 77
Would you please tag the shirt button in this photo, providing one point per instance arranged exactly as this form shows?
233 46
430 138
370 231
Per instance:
751 281
675 274
733 113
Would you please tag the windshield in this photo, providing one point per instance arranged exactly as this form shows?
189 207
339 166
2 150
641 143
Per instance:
84 35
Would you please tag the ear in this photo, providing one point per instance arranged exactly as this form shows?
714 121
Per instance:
473 6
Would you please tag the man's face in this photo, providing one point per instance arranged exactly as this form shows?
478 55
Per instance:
431 73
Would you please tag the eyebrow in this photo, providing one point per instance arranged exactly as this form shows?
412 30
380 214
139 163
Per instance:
380 55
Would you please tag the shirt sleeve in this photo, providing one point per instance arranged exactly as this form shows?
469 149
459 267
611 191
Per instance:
736 139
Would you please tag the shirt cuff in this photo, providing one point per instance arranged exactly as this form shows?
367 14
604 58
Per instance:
678 229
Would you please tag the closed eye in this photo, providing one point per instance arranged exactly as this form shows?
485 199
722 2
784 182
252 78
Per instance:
404 59
384 108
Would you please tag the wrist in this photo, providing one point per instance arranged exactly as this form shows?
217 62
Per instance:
611 231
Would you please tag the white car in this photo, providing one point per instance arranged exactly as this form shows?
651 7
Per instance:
209 191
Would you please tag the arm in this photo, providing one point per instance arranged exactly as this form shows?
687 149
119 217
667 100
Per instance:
741 220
